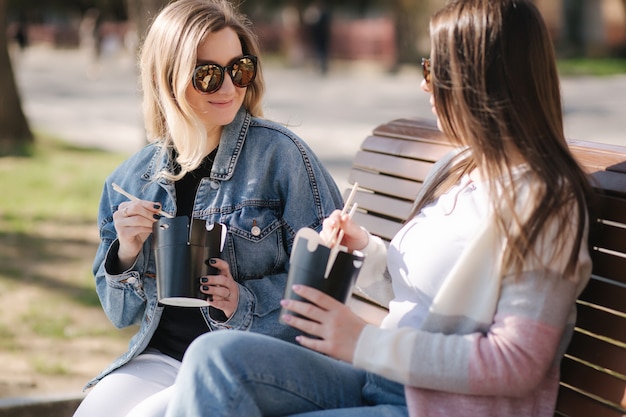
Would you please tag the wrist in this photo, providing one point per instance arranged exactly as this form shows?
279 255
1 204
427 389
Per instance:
113 264
364 240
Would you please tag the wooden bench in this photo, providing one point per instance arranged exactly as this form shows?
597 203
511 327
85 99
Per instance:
390 167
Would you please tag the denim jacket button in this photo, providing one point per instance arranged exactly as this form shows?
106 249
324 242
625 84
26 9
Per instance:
256 230
215 184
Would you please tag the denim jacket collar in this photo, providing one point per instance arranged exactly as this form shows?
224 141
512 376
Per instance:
231 141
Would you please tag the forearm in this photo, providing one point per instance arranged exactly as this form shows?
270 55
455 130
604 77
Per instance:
509 358
121 294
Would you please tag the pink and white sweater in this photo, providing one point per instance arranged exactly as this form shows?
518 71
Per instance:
464 338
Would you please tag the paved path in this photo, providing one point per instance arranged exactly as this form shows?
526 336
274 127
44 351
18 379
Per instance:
66 94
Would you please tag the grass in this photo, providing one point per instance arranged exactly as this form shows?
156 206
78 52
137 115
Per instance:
49 212
48 238
56 182
46 366
592 66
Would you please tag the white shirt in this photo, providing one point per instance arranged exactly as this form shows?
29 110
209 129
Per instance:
423 252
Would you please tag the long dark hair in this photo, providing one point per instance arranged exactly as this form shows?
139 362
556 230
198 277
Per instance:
497 93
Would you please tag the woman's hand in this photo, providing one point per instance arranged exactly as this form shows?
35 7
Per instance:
222 289
354 238
133 222
336 326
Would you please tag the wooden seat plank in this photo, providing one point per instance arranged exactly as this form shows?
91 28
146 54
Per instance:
597 351
573 404
611 237
384 228
593 381
611 208
390 165
604 293
425 151
382 205
411 129
609 265
385 184
601 322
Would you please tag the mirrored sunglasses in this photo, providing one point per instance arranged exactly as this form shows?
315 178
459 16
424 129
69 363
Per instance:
208 78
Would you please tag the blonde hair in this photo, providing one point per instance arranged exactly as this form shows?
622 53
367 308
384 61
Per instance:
496 89
167 60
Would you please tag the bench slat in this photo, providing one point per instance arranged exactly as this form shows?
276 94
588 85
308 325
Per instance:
411 129
601 322
598 156
392 165
573 404
610 237
383 205
611 208
608 265
593 381
385 184
606 294
384 228
597 351
424 151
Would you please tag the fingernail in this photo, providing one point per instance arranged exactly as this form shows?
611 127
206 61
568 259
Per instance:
286 318
204 280
212 261
156 216
205 288
284 303
157 206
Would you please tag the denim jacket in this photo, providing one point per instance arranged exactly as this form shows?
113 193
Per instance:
264 176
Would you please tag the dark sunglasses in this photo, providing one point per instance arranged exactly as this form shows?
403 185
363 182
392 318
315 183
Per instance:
208 78
426 70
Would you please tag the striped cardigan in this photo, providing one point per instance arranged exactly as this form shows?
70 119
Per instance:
489 346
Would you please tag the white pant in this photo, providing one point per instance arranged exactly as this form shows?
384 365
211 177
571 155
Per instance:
141 388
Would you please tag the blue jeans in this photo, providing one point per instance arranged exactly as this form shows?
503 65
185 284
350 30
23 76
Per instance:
236 373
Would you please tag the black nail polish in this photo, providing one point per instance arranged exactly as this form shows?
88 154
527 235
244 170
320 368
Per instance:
156 216
157 206
212 261
204 280
205 288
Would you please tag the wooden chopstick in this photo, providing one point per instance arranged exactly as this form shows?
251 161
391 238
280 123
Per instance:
133 198
347 204
335 248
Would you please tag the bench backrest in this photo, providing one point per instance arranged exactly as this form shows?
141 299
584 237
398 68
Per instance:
390 168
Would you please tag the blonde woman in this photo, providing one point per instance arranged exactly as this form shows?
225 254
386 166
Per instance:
212 157
485 273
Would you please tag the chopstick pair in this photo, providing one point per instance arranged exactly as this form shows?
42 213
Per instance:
338 232
347 204
133 198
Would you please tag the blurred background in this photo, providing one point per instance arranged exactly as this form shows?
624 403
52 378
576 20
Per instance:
391 32
70 111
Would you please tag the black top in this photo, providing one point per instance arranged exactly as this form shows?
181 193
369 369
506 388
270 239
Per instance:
179 326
